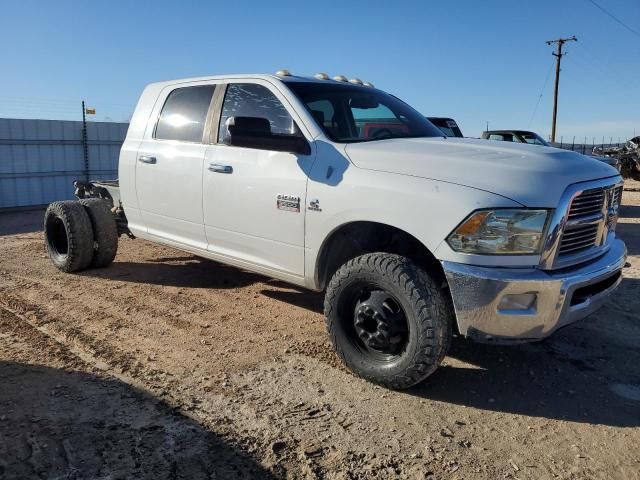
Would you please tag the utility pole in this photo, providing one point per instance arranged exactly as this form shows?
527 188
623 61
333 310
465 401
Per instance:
558 54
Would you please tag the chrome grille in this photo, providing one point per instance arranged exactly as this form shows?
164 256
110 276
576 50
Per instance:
587 203
616 198
588 214
583 223
577 239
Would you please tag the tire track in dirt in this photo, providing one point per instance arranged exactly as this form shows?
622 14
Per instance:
24 335
119 364
84 347
88 422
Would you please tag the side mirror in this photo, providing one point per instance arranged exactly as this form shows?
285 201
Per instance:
255 132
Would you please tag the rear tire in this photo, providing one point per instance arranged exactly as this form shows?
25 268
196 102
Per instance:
389 321
68 236
105 231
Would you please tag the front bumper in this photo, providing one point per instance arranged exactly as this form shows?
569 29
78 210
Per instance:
482 296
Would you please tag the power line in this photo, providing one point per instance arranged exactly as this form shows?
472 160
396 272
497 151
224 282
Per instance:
591 60
635 32
59 109
56 106
544 86
586 73
579 77
610 70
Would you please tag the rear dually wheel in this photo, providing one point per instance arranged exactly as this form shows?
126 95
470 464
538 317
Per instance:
68 236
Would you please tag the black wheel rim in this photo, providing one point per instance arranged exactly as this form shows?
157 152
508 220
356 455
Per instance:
57 237
376 324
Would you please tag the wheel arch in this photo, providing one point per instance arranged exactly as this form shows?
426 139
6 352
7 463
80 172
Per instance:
354 238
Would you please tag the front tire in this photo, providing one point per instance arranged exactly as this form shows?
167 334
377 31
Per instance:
388 320
68 236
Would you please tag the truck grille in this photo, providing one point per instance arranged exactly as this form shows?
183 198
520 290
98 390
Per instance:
587 203
588 214
616 197
577 239
582 227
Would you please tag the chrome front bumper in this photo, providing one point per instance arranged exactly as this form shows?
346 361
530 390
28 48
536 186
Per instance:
488 301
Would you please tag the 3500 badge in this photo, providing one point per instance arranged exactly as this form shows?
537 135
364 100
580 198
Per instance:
289 203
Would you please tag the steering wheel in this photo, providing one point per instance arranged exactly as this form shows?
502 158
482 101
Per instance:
382 133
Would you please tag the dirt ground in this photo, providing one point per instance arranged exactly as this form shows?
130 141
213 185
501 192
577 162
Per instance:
165 365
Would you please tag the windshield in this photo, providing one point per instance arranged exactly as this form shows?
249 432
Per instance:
349 113
533 138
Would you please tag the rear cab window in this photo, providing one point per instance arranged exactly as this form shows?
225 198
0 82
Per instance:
184 114
504 137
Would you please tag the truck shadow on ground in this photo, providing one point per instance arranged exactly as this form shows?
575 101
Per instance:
69 424
187 272
577 374
311 301
533 381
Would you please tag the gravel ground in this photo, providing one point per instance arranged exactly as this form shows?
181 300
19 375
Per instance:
165 365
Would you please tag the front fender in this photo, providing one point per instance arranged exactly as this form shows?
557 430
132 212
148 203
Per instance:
426 209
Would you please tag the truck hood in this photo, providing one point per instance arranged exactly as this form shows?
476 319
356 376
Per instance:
534 176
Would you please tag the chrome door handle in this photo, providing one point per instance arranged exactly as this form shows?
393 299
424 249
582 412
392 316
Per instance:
219 168
146 159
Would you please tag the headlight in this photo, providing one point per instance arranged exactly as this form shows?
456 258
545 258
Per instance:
501 232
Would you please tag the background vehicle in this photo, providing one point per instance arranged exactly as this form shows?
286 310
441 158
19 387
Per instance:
518 136
532 138
448 126
340 187
628 156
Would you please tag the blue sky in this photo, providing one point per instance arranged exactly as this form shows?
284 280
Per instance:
476 61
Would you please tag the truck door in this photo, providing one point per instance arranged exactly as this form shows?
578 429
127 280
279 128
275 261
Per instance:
254 198
169 165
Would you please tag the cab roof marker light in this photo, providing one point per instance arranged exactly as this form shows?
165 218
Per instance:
283 72
355 81
340 78
368 84
321 76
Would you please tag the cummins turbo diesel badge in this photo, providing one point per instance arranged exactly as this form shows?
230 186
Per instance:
289 203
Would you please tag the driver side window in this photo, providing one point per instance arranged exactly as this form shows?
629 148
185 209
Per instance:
253 100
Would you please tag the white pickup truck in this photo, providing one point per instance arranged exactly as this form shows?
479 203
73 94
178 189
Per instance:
336 186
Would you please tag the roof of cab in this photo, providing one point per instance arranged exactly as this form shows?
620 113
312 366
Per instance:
508 131
254 76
